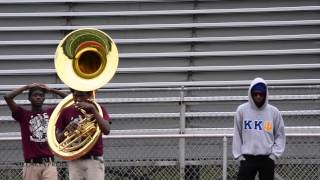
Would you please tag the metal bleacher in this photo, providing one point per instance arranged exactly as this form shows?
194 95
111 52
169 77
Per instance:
199 53
167 46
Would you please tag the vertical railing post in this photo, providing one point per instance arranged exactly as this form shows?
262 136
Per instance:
225 158
182 131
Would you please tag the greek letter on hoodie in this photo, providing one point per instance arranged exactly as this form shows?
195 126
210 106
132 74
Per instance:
258 131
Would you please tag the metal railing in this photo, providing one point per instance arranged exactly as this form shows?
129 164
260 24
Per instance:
183 153
172 154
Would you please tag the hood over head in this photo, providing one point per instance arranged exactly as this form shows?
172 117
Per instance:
258 84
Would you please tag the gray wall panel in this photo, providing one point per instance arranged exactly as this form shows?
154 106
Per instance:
130 20
153 77
284 105
154 48
260 45
28 50
37 21
28 79
147 33
257 31
30 35
256 17
258 60
38 7
143 108
243 75
27 64
153 62
254 3
133 6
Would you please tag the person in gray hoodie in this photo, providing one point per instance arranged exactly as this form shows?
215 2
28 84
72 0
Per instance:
259 138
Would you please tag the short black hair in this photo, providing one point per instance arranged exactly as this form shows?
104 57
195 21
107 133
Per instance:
88 92
31 90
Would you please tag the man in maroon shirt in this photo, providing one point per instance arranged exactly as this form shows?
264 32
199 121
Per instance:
33 124
91 165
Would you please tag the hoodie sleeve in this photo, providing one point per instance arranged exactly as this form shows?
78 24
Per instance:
279 137
237 135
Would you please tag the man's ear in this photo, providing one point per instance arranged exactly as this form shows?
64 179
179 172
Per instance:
91 93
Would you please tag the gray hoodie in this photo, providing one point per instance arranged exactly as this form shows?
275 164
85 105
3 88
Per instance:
258 131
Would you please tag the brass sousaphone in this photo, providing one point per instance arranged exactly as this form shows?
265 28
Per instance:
85 60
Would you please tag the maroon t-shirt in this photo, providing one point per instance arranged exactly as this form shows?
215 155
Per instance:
34 132
71 114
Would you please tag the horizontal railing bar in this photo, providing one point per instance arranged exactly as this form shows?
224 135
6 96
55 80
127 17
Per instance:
216 160
19 72
205 88
196 136
83 1
179 40
231 114
210 83
196 84
208 114
217 68
160 12
142 89
6 88
305 131
181 54
178 99
166 26
112 163
191 114
221 53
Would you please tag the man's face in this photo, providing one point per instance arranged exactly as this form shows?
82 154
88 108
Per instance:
37 97
259 98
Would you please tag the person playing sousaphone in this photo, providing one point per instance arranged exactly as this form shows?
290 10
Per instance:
86 59
90 165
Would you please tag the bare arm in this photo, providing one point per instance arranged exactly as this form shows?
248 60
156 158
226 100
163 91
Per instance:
9 97
58 92
70 127
102 123
59 135
237 136
54 91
